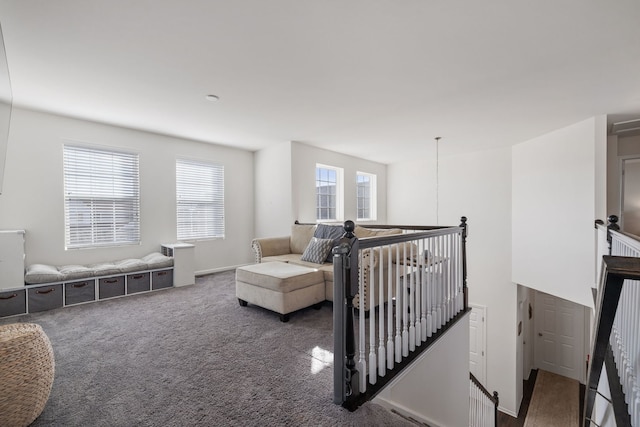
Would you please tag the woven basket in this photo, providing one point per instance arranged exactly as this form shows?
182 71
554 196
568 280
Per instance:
26 373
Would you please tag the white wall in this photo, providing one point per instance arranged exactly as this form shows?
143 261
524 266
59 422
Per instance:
435 388
555 203
5 119
303 161
273 196
285 183
412 193
613 178
600 167
476 185
33 196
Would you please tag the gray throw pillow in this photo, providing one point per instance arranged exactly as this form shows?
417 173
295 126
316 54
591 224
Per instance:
334 232
317 250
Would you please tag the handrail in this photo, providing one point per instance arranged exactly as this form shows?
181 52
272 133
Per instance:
493 398
370 242
615 271
386 226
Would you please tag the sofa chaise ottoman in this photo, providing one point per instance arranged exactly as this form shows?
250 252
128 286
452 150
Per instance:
290 249
280 287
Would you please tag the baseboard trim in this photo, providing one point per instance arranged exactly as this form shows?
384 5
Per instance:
404 412
507 411
217 270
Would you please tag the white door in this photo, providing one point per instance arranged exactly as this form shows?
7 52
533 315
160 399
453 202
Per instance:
477 344
559 336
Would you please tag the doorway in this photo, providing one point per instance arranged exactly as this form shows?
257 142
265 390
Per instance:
630 195
477 342
559 336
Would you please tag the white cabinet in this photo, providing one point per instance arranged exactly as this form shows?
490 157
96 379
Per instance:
11 259
184 262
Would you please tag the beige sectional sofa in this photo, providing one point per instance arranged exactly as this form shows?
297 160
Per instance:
289 249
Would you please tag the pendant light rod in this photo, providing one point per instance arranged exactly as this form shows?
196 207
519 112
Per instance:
437 138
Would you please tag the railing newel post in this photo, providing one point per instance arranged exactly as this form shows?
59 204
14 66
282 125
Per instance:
465 230
497 403
613 225
346 378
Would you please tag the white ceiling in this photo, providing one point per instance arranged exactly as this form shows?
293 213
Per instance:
376 79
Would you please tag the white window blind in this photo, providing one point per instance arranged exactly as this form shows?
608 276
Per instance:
199 199
102 197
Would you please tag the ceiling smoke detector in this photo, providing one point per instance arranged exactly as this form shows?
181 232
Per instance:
626 128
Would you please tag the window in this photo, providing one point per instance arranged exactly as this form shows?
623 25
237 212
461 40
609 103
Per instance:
328 193
101 197
199 199
366 196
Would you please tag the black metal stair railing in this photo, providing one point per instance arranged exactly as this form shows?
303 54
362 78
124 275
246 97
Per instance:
345 279
410 289
483 406
622 399
615 270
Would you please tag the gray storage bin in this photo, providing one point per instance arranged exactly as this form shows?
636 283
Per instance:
110 287
138 282
162 279
44 298
13 302
80 291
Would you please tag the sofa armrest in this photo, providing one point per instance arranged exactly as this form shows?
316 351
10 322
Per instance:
270 246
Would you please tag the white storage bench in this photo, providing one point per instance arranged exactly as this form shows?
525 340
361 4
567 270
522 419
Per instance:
48 287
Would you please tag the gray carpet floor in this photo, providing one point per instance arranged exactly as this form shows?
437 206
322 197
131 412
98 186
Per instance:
192 356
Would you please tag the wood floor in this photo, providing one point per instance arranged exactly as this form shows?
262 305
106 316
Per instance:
505 420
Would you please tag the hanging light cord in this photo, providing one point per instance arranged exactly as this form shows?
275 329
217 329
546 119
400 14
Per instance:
437 180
